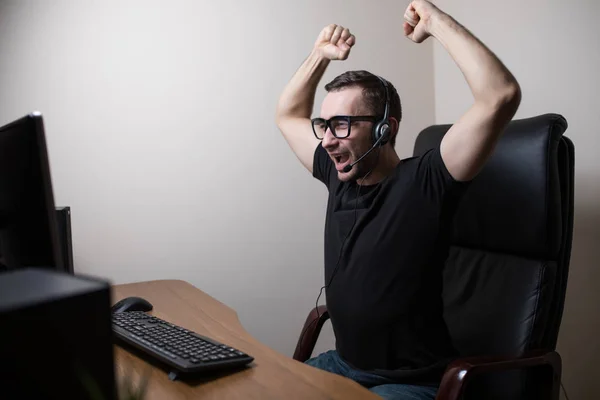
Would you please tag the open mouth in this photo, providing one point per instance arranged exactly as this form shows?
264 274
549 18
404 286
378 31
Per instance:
341 160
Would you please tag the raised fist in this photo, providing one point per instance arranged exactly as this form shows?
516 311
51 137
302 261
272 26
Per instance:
334 42
417 20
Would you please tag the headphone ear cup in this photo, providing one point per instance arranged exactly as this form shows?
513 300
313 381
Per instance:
381 129
385 132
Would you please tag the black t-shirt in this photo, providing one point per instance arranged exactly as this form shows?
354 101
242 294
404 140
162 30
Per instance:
385 298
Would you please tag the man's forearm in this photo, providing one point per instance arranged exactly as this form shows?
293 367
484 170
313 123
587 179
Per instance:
298 96
490 81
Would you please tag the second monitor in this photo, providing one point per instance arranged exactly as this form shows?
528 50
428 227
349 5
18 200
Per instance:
28 224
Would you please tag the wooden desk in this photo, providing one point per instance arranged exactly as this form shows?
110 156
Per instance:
271 375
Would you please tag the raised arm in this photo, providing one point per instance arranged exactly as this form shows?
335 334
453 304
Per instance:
471 140
297 99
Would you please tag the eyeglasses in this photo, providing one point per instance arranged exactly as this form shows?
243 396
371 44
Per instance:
340 125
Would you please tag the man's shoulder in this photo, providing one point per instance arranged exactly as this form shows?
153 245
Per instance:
427 174
408 167
409 162
425 156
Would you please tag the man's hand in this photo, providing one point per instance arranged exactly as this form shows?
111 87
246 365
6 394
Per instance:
334 42
418 17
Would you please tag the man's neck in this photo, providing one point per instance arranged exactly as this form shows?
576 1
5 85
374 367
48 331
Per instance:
388 161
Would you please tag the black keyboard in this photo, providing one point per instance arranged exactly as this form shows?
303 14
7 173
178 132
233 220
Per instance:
185 351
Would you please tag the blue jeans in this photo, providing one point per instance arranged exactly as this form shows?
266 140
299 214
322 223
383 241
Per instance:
384 387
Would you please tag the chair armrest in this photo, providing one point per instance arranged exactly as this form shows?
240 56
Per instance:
310 333
460 371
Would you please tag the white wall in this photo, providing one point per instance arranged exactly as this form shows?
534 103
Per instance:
552 48
161 134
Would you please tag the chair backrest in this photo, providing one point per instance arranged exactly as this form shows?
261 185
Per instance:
506 274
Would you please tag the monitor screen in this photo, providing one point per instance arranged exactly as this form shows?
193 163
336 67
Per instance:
28 229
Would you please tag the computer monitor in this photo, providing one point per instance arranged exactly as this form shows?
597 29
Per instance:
28 222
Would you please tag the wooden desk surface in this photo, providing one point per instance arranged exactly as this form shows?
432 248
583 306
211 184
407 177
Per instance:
271 376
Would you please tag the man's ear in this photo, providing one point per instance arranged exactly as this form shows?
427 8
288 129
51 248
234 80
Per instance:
394 127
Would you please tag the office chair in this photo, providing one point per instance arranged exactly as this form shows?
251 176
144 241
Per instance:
505 277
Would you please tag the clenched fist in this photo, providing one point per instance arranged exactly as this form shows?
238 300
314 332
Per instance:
334 42
418 18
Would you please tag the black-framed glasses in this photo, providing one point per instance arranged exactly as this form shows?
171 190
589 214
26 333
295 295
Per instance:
340 125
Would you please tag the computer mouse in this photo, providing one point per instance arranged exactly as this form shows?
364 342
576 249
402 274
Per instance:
131 304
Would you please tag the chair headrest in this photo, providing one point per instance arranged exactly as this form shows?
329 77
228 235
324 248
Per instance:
513 205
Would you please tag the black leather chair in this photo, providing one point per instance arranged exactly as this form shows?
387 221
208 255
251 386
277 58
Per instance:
506 274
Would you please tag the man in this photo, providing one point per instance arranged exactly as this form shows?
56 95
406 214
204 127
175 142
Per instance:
387 219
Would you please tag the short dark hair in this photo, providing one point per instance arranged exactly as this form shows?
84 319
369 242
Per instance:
373 93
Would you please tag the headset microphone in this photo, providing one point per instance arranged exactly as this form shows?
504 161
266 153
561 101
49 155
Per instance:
348 167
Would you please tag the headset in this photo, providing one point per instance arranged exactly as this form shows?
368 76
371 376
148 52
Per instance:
381 130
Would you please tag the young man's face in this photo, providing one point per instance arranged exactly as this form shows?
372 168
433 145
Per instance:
349 101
